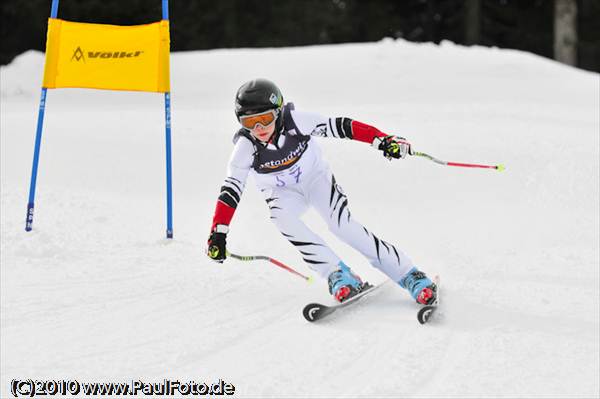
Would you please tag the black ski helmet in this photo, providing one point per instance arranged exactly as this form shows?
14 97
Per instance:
257 96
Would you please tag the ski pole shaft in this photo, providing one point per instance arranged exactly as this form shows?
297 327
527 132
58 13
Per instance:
247 258
498 167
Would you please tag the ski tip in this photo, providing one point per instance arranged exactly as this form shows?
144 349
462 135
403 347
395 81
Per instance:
310 279
311 311
315 311
425 313
500 167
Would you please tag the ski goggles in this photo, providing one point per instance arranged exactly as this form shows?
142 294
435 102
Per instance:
264 118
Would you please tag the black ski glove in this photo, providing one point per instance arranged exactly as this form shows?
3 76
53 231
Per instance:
392 146
216 248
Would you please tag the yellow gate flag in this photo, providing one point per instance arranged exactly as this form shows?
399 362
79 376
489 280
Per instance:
111 57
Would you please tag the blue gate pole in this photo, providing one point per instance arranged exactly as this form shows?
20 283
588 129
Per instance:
38 143
169 180
165 16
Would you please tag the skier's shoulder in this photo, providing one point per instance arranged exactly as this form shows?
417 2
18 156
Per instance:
239 134
301 115
303 122
243 146
243 153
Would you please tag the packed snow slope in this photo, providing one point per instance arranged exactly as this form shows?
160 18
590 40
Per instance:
96 293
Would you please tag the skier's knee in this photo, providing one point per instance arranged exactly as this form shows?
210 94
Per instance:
333 227
338 231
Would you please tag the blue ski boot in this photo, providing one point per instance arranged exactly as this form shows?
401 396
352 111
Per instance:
421 288
343 284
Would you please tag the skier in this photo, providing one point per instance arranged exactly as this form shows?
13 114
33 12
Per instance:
275 144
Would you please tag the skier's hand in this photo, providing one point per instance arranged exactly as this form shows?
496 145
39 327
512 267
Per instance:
216 247
392 146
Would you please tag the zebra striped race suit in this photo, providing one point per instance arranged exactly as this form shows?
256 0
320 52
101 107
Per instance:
293 176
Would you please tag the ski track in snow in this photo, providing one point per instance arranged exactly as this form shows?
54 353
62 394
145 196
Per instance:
95 293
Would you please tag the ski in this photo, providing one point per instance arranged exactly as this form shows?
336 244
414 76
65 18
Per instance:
427 311
317 311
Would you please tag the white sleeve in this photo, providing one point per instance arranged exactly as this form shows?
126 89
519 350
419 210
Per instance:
309 123
239 165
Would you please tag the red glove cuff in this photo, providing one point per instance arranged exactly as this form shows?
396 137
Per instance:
365 133
223 214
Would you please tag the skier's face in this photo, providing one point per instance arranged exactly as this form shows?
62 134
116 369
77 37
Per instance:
261 125
263 133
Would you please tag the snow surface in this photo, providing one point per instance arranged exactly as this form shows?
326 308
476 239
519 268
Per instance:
96 292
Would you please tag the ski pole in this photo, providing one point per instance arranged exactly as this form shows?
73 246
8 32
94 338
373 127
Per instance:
498 167
247 258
